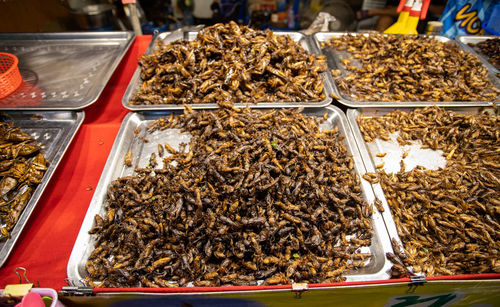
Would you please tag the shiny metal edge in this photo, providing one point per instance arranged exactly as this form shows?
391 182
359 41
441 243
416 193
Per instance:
463 40
352 114
320 37
168 37
97 91
60 147
84 243
107 76
380 232
66 35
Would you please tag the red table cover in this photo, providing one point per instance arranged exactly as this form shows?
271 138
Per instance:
46 242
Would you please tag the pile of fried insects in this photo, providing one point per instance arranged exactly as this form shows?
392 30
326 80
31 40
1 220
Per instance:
229 62
21 169
489 48
383 67
447 219
260 197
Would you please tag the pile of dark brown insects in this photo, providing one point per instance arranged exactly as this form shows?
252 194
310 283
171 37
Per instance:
21 169
491 49
409 68
260 196
447 219
228 62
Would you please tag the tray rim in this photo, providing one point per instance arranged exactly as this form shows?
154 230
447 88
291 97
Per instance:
129 36
135 81
399 104
67 138
97 201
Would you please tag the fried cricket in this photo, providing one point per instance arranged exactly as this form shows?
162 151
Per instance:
21 169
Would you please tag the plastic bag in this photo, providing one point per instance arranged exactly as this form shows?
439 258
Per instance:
465 17
323 22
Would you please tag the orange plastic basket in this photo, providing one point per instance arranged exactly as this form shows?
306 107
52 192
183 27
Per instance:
10 78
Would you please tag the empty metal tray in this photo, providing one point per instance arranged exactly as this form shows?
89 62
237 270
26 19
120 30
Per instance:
63 71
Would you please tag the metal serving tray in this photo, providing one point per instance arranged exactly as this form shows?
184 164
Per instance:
63 71
334 57
376 269
464 40
416 156
169 37
54 130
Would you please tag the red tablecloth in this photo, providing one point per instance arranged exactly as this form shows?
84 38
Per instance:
47 240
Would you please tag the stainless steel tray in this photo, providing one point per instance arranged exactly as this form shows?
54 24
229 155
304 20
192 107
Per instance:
63 71
54 130
464 40
334 58
428 158
376 269
169 37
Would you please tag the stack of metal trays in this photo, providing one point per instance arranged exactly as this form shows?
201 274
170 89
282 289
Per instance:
130 139
335 59
62 73
170 37
466 40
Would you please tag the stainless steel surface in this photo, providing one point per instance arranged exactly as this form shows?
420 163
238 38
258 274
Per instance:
376 269
54 130
169 37
334 58
63 71
464 40
428 158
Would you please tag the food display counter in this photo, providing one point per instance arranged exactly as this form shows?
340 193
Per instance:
99 154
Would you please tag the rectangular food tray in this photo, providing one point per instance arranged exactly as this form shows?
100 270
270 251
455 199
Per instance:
376 269
54 130
334 62
464 40
369 158
63 71
169 37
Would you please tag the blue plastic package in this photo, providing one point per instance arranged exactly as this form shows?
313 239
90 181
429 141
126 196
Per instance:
465 17
492 25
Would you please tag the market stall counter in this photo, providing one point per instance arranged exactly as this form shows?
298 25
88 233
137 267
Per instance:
46 243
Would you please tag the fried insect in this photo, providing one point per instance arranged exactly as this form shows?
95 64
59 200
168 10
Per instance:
228 62
128 158
21 169
259 196
491 49
447 219
410 68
